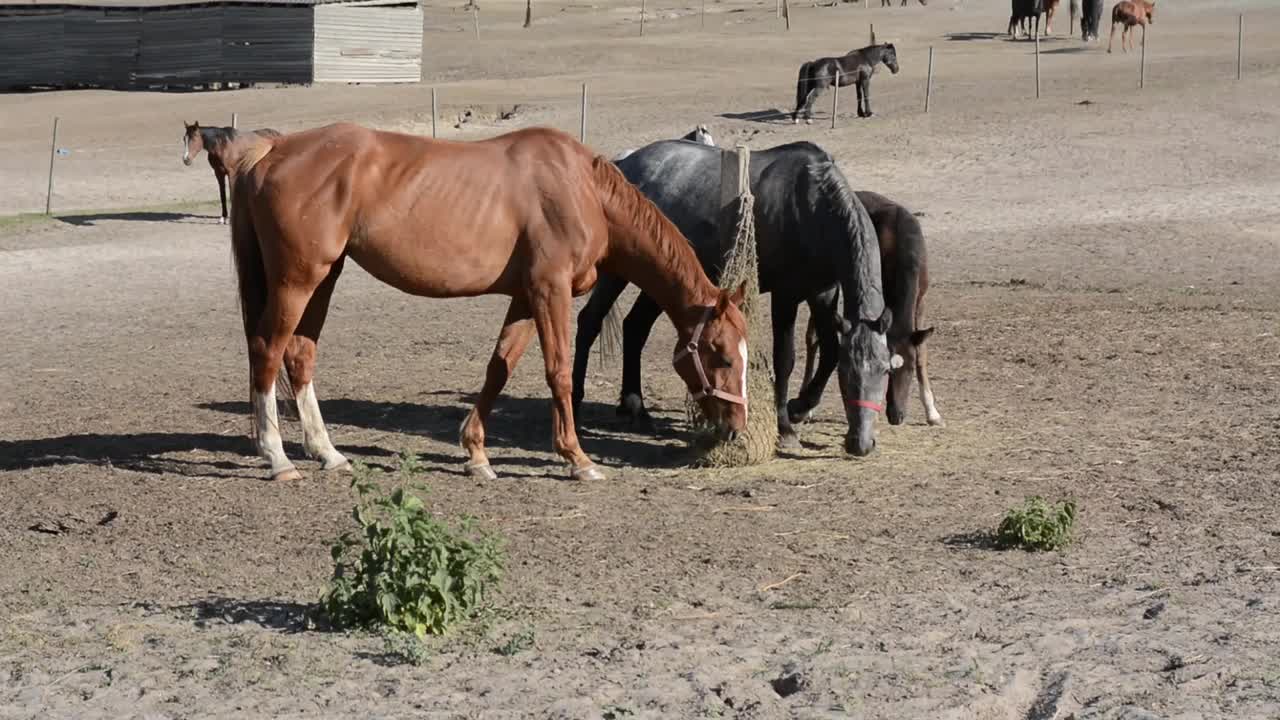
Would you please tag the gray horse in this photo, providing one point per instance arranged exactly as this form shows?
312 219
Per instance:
813 235
854 68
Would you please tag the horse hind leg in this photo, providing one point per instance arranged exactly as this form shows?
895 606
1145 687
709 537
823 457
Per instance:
635 333
1111 40
596 315
517 330
810 353
922 374
784 358
300 362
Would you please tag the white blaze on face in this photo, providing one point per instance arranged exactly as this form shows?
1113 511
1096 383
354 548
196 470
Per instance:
742 350
186 152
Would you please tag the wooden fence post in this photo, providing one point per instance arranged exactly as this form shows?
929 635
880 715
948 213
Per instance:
582 130
1240 47
1037 63
786 13
433 112
1142 63
528 13
235 120
928 83
641 18
53 151
835 100
475 18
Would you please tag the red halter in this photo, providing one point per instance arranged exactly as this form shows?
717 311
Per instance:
692 350
877 407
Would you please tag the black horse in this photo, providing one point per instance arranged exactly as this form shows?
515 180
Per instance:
1024 12
1090 19
905 265
812 235
855 68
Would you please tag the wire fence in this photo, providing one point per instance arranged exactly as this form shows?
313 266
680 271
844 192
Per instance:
78 169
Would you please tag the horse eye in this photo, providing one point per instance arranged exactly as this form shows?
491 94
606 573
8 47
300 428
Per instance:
724 360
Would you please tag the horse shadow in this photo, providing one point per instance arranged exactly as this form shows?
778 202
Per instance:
769 116
146 453
972 36
516 423
91 219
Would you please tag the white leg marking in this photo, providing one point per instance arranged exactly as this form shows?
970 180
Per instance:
315 438
930 410
267 426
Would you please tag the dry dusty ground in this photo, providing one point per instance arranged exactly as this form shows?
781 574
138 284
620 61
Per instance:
1106 301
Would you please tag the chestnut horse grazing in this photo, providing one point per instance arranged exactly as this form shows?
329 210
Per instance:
529 214
212 140
1129 13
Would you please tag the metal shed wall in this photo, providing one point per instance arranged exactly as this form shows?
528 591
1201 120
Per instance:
102 46
180 46
267 44
368 44
31 48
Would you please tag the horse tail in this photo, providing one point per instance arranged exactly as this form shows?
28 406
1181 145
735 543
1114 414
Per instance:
802 85
611 333
251 283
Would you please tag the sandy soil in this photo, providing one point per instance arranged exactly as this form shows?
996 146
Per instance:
1105 293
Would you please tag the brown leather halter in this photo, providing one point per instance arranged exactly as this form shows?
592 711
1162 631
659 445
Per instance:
692 350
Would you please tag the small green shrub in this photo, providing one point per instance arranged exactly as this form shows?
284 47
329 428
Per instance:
517 643
1037 526
404 569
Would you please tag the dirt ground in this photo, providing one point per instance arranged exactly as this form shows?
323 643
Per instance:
1106 300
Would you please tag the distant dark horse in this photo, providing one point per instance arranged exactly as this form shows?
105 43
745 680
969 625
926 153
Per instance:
212 140
1090 20
1023 13
889 3
855 68
904 264
812 235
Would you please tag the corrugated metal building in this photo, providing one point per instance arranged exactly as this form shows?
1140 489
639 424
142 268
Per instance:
138 44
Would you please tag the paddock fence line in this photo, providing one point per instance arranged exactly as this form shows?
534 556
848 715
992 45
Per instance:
452 111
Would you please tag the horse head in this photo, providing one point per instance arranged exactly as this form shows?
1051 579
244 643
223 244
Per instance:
1151 11
192 142
712 360
863 372
889 56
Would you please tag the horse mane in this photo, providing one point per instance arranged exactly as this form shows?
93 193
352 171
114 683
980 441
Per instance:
626 207
863 271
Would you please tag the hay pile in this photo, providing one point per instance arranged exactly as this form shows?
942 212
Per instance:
758 444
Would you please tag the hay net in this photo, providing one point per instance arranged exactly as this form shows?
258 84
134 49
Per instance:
758 442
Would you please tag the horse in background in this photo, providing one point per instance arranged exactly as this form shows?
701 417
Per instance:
1022 14
812 236
532 214
1090 20
700 135
1129 13
214 140
853 68
1050 7
889 3
904 264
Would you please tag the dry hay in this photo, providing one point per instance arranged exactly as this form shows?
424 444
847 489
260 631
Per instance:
759 441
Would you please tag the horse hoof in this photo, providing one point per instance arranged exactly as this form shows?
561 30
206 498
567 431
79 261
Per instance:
480 471
937 421
808 121
290 475
222 221
336 464
586 474
789 441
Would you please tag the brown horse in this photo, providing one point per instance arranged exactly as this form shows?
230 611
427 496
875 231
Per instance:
905 275
529 214
212 140
1129 13
1050 7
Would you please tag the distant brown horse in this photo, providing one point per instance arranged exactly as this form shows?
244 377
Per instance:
212 140
904 266
529 214
1050 7
1129 13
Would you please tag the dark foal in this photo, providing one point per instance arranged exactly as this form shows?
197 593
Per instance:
855 68
904 264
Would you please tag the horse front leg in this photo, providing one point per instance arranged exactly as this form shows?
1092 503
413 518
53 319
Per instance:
784 359
517 330
810 352
635 333
866 95
591 320
222 195
1112 39
550 300
823 307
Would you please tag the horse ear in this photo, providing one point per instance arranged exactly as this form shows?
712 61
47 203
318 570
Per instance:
918 337
739 295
